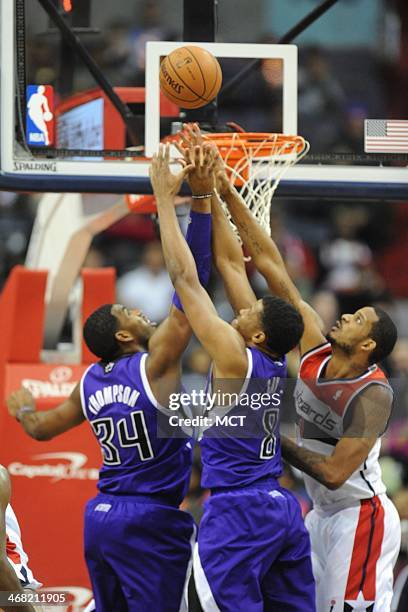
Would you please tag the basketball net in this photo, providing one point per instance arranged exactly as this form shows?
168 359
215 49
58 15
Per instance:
256 162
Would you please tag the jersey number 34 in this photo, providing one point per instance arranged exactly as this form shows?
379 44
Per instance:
127 435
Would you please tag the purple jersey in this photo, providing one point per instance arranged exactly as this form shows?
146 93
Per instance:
235 456
119 404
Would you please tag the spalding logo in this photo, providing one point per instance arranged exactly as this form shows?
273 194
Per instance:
173 84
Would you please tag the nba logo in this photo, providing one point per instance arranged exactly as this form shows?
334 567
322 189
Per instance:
40 115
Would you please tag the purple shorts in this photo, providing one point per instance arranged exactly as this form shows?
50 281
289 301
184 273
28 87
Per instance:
253 552
138 553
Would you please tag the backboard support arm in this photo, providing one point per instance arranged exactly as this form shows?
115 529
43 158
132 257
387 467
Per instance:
130 120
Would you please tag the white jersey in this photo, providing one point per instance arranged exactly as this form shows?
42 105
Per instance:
15 552
324 409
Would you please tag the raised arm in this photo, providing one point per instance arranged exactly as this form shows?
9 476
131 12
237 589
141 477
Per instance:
173 335
229 260
267 259
8 578
227 251
371 412
223 343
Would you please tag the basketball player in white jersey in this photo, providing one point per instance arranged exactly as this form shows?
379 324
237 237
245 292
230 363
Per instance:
15 575
343 403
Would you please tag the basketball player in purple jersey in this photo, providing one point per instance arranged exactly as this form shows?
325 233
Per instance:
138 543
253 550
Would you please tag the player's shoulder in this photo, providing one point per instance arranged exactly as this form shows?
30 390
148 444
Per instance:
263 365
373 382
374 386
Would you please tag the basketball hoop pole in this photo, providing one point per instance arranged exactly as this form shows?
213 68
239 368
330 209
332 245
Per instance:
199 26
287 38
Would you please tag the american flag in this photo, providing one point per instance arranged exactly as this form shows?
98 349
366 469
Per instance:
386 136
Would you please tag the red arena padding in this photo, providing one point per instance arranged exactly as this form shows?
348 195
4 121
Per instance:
51 481
99 287
22 315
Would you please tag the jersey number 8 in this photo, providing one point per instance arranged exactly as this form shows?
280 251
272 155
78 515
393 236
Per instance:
270 422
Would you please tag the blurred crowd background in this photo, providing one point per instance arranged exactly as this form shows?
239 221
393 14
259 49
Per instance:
342 255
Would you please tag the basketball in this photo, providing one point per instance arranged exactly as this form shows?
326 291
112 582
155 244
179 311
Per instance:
190 77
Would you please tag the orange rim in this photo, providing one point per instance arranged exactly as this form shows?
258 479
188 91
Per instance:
236 145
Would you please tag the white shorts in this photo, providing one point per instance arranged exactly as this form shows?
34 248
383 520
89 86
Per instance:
354 551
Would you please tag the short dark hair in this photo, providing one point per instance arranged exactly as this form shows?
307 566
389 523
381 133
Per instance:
99 333
384 333
282 324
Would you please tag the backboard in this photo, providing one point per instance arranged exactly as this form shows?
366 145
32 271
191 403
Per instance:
337 87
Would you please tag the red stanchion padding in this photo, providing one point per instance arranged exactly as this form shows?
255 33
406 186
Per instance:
22 315
99 287
22 318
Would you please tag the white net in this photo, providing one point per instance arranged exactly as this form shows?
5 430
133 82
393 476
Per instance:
256 163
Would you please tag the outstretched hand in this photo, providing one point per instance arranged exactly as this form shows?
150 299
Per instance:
201 177
191 138
166 185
